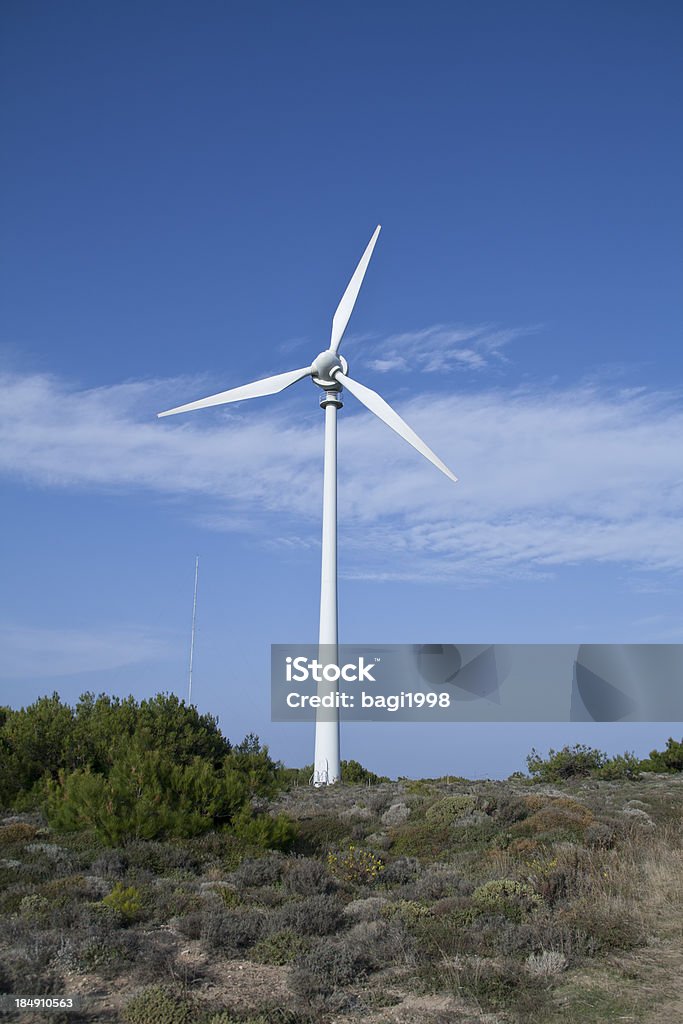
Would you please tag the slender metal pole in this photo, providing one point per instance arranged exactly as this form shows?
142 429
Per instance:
194 622
326 768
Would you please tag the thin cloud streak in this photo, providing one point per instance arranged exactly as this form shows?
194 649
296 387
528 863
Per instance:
442 348
37 653
547 479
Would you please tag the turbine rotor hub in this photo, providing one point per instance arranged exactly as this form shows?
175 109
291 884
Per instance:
323 368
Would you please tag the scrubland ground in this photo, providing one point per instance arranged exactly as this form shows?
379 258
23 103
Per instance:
400 903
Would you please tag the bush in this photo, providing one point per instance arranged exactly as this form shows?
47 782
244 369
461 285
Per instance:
106 953
264 831
312 915
558 820
29 964
505 896
307 876
581 761
429 840
144 796
158 1005
256 872
438 882
449 809
500 985
354 774
602 835
510 809
317 834
17 832
378 944
570 762
546 964
402 869
231 933
324 969
622 766
561 875
34 907
370 908
598 926
668 760
160 858
49 737
125 901
190 925
110 864
280 948
355 866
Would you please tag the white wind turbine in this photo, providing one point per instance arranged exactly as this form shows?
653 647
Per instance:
329 371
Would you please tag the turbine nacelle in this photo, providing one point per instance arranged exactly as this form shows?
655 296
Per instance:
325 367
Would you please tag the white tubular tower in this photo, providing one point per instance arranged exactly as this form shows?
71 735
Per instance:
326 767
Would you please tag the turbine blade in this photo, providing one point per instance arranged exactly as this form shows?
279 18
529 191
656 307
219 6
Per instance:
257 389
375 403
348 300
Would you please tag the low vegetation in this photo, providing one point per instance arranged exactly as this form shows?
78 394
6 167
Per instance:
161 874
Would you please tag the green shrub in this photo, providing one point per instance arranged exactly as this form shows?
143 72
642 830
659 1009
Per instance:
581 761
668 760
49 737
560 820
425 840
146 795
622 766
570 762
449 809
264 831
354 774
126 901
279 948
508 897
408 911
158 1005
34 907
320 832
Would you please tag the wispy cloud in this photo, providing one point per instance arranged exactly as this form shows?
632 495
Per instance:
442 348
34 653
547 478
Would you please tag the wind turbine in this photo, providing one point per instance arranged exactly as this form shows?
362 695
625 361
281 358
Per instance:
330 372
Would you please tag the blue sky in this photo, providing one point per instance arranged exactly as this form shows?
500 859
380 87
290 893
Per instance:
187 189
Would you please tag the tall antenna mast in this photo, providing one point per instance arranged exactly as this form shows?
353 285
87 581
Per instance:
194 623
